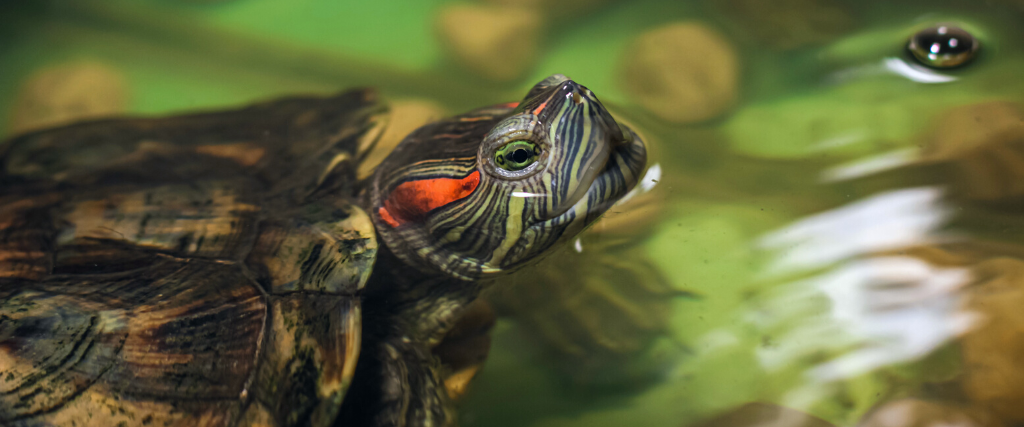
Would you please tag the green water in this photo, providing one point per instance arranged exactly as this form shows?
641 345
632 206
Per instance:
789 323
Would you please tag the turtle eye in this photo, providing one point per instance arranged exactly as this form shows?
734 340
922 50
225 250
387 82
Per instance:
516 155
944 46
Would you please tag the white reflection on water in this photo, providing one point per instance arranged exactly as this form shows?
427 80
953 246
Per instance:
864 302
888 221
841 140
871 165
884 310
915 72
895 66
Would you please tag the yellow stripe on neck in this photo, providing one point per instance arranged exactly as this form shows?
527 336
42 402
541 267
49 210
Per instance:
513 229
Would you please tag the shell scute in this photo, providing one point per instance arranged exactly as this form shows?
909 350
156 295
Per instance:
26 227
179 338
215 220
329 247
279 142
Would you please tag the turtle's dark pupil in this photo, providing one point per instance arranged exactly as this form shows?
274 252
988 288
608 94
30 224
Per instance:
520 155
944 46
516 155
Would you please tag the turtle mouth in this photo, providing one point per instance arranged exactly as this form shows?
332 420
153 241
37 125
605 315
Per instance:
620 173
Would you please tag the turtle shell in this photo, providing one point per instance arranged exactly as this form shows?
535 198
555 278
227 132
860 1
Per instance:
198 270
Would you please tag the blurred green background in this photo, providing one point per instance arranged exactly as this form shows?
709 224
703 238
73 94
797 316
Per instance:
804 73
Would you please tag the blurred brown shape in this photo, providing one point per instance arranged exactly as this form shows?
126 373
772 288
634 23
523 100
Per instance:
758 414
553 8
922 413
983 145
499 43
404 116
68 92
993 353
682 72
787 24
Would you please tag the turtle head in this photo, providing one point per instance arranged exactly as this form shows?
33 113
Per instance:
486 192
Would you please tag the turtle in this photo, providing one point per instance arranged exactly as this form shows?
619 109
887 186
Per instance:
229 268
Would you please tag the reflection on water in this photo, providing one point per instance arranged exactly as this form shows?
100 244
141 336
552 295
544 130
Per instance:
828 232
888 221
865 301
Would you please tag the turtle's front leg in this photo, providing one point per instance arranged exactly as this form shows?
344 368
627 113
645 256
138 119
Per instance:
418 384
412 388
400 380
398 384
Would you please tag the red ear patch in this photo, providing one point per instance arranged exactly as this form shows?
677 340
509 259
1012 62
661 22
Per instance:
412 200
540 107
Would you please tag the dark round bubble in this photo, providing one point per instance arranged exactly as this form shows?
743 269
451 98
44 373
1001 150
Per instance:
943 46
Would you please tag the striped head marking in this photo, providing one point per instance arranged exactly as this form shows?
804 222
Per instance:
488 191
